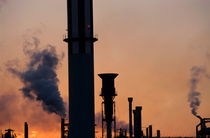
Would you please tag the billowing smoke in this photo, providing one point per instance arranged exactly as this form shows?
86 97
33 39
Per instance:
40 78
193 96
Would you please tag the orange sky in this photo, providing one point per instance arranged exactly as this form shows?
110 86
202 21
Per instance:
152 44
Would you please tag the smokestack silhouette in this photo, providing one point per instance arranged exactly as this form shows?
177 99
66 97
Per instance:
158 133
150 131
108 94
40 79
130 99
137 122
147 132
193 96
25 130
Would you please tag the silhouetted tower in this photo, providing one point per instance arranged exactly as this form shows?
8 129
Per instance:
147 132
108 94
130 100
81 68
150 131
137 122
26 130
158 133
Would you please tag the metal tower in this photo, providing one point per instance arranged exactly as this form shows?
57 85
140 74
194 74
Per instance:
108 94
81 68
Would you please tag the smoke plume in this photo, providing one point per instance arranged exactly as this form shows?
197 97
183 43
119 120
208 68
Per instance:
119 123
40 78
193 96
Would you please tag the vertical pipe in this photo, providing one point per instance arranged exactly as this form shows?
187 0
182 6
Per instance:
158 133
26 130
137 122
130 99
109 129
62 127
115 129
147 132
150 131
102 120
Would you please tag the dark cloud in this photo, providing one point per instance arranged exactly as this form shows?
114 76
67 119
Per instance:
40 78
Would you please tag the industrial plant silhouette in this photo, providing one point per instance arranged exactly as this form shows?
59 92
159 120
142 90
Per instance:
81 121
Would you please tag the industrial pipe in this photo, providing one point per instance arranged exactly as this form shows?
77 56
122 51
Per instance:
137 122
26 130
150 131
158 133
130 99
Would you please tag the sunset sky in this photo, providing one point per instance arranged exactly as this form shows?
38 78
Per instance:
152 44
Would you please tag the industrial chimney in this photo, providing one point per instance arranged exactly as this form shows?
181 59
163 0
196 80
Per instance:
108 94
25 130
130 99
137 122
81 68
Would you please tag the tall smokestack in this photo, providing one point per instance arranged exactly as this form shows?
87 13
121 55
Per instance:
137 122
25 130
150 131
81 68
108 94
130 99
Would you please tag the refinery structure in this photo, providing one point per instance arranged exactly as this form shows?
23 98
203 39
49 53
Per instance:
81 122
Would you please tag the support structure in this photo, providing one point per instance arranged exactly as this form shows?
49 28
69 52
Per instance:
81 68
203 129
64 128
108 94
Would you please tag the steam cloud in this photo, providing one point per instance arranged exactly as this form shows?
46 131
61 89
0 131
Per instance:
193 96
40 78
